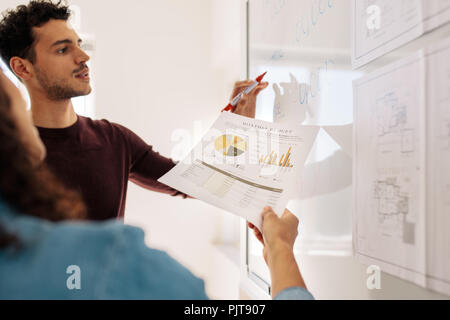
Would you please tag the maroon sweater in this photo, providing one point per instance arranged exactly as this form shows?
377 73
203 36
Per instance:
97 158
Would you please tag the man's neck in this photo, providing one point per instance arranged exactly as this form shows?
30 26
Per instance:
52 114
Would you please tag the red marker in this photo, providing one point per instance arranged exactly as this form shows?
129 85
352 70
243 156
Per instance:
232 105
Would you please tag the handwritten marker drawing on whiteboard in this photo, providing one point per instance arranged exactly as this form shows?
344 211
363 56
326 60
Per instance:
315 177
287 106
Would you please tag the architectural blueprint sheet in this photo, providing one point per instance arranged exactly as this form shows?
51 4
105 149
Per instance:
380 26
401 168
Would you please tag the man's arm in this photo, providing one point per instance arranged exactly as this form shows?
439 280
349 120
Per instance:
147 166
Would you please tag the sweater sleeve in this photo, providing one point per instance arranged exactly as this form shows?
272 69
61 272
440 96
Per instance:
136 271
146 165
294 293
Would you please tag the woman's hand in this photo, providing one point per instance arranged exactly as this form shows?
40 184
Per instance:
278 237
277 232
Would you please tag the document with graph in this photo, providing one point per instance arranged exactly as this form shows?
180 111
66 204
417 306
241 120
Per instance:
401 168
380 26
242 165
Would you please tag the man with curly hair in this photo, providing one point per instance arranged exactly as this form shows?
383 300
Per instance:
94 157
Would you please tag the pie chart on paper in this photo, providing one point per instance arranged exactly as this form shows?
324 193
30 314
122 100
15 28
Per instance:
230 145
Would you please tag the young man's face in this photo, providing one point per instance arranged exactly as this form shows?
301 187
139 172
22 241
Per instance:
60 65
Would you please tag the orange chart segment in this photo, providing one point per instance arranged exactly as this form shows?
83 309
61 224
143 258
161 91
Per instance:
230 145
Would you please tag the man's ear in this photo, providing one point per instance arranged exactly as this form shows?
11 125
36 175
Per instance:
21 67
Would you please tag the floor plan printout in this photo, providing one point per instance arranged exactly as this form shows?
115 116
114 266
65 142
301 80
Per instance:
380 26
401 168
242 165
389 174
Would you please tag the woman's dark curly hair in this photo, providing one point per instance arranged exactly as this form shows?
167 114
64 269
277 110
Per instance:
30 190
16 28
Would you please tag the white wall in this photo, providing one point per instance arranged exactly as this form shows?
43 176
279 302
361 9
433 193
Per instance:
154 72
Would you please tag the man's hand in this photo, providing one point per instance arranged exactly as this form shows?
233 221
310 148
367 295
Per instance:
247 105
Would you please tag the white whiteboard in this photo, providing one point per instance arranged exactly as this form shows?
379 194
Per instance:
306 48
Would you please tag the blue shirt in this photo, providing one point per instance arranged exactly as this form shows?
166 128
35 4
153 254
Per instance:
106 260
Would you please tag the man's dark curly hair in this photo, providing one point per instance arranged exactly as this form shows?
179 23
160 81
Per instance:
16 28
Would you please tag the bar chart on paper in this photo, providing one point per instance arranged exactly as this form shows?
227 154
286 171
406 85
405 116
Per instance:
243 165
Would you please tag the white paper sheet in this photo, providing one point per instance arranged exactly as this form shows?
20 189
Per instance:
402 168
242 165
389 169
438 164
326 177
343 137
399 23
